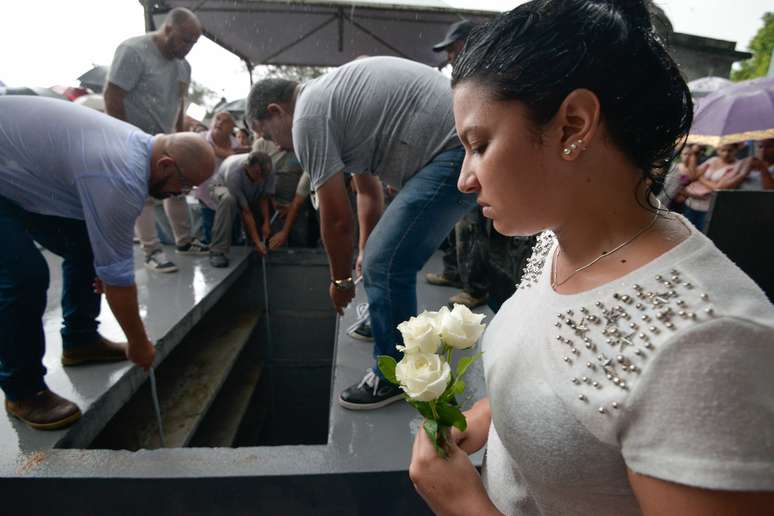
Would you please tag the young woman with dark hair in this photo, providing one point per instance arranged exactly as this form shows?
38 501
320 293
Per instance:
630 372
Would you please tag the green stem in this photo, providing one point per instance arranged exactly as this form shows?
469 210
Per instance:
449 356
439 434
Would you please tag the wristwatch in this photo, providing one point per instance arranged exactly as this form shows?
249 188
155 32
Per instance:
343 284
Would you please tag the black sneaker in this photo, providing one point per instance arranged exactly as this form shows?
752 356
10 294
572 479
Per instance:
362 331
371 393
195 246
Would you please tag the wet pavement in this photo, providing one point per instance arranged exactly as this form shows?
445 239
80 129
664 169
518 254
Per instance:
166 305
358 442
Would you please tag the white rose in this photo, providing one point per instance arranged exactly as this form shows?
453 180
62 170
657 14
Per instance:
460 328
423 376
420 335
437 318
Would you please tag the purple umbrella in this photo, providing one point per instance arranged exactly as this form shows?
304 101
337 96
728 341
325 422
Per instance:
707 85
737 113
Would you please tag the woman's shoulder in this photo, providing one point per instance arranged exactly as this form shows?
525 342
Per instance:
612 337
732 292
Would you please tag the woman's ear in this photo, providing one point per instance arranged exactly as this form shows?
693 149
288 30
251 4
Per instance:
578 121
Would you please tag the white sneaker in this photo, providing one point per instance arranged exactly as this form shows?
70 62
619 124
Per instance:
158 261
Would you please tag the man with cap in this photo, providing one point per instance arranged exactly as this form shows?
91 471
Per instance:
73 181
465 249
454 41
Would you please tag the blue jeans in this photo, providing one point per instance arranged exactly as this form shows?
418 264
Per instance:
208 217
24 279
410 230
696 217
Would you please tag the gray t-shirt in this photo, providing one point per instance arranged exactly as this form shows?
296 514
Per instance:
382 115
666 371
292 180
152 83
232 175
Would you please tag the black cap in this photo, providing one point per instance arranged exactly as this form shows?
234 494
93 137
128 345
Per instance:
458 31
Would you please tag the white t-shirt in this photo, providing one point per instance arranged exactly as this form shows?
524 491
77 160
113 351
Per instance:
666 371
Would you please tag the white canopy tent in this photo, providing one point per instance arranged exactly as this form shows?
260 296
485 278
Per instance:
321 32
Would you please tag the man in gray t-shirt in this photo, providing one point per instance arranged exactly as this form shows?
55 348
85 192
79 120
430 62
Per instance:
243 182
146 87
380 119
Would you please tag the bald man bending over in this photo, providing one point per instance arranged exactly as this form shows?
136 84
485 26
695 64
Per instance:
74 181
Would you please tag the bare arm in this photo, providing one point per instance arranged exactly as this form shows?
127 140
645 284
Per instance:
114 101
479 418
336 226
767 180
280 238
736 177
662 498
696 170
263 204
752 163
123 304
181 113
252 230
452 486
728 179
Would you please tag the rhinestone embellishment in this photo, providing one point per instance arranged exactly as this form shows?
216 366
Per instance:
534 267
621 333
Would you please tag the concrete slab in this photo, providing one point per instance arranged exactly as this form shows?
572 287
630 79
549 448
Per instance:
359 442
170 305
384 437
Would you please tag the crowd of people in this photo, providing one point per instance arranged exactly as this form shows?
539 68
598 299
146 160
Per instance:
702 170
628 371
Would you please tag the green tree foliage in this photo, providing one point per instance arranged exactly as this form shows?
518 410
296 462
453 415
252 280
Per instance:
761 47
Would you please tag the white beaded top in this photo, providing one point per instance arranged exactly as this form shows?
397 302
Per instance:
665 371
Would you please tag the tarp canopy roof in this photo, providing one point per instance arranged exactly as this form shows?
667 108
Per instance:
323 32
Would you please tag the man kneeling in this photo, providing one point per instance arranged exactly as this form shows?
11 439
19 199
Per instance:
244 182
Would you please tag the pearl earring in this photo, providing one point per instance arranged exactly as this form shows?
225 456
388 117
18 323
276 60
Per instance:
573 147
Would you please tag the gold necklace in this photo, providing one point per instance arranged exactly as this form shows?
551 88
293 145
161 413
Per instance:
555 283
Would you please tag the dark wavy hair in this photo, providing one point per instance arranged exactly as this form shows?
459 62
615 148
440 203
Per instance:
542 50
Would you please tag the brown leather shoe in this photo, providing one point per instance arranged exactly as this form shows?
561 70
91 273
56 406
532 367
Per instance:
103 350
44 411
442 280
467 299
